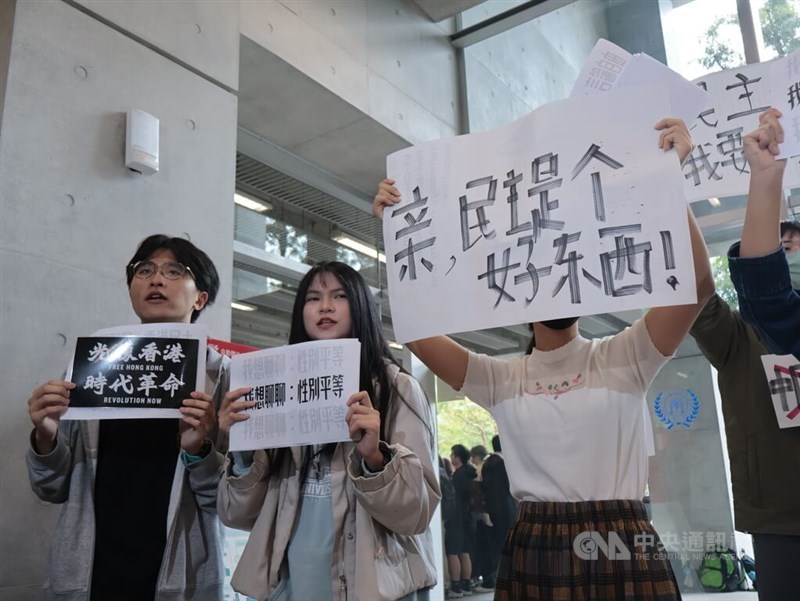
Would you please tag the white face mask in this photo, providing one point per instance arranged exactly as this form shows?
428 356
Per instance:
794 268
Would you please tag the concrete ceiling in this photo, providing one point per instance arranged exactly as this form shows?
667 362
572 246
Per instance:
279 103
332 146
439 10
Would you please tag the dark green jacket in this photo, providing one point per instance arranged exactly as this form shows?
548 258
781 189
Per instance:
765 460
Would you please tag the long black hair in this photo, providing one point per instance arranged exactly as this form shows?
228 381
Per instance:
366 326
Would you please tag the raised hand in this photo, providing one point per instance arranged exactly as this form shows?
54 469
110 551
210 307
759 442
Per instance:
761 144
387 196
675 134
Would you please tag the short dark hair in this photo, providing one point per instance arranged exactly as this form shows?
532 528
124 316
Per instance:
478 451
496 444
460 451
205 273
788 225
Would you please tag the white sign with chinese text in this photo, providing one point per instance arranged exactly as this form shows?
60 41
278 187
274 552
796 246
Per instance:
300 390
783 378
128 384
571 210
609 67
785 75
717 166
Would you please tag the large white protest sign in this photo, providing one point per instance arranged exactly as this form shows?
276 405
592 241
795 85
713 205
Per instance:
783 377
300 392
136 371
717 166
571 210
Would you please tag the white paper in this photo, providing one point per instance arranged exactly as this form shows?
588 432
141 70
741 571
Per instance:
301 391
785 78
717 166
601 70
783 378
609 67
195 331
440 273
688 100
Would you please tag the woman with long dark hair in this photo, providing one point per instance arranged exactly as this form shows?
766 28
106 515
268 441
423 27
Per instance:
343 520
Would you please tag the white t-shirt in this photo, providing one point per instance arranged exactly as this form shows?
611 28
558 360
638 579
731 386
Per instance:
573 422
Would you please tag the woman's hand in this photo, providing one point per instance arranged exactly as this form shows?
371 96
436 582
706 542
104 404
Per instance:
230 412
364 423
675 134
387 196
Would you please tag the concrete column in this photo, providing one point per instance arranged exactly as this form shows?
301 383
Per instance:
71 214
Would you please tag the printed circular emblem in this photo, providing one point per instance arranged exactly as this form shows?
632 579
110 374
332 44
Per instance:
676 407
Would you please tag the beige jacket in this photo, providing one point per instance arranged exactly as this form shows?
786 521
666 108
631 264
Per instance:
382 547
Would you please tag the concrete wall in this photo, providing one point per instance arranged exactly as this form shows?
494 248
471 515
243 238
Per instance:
689 484
71 214
532 64
385 59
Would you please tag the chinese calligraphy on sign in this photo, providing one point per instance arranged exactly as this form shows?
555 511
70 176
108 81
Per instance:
135 375
299 391
783 378
571 210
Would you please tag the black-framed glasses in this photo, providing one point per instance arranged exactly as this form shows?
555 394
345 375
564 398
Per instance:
172 270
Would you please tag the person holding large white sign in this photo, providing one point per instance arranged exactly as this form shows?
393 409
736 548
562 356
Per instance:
577 425
139 495
345 520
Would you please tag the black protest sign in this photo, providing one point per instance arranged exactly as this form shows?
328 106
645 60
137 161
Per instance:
134 372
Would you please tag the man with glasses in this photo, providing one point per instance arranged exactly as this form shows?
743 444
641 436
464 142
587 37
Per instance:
139 516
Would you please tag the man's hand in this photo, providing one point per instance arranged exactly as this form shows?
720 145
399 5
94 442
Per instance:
45 407
198 420
364 424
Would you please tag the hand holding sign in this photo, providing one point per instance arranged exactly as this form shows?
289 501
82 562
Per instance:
232 409
364 423
675 134
761 145
45 407
387 196
198 419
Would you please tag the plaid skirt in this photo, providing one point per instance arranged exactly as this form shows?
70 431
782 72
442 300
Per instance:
586 551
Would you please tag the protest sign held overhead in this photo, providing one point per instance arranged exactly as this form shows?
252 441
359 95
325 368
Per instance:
570 210
300 390
720 108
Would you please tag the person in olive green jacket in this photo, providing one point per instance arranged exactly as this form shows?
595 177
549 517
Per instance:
764 459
